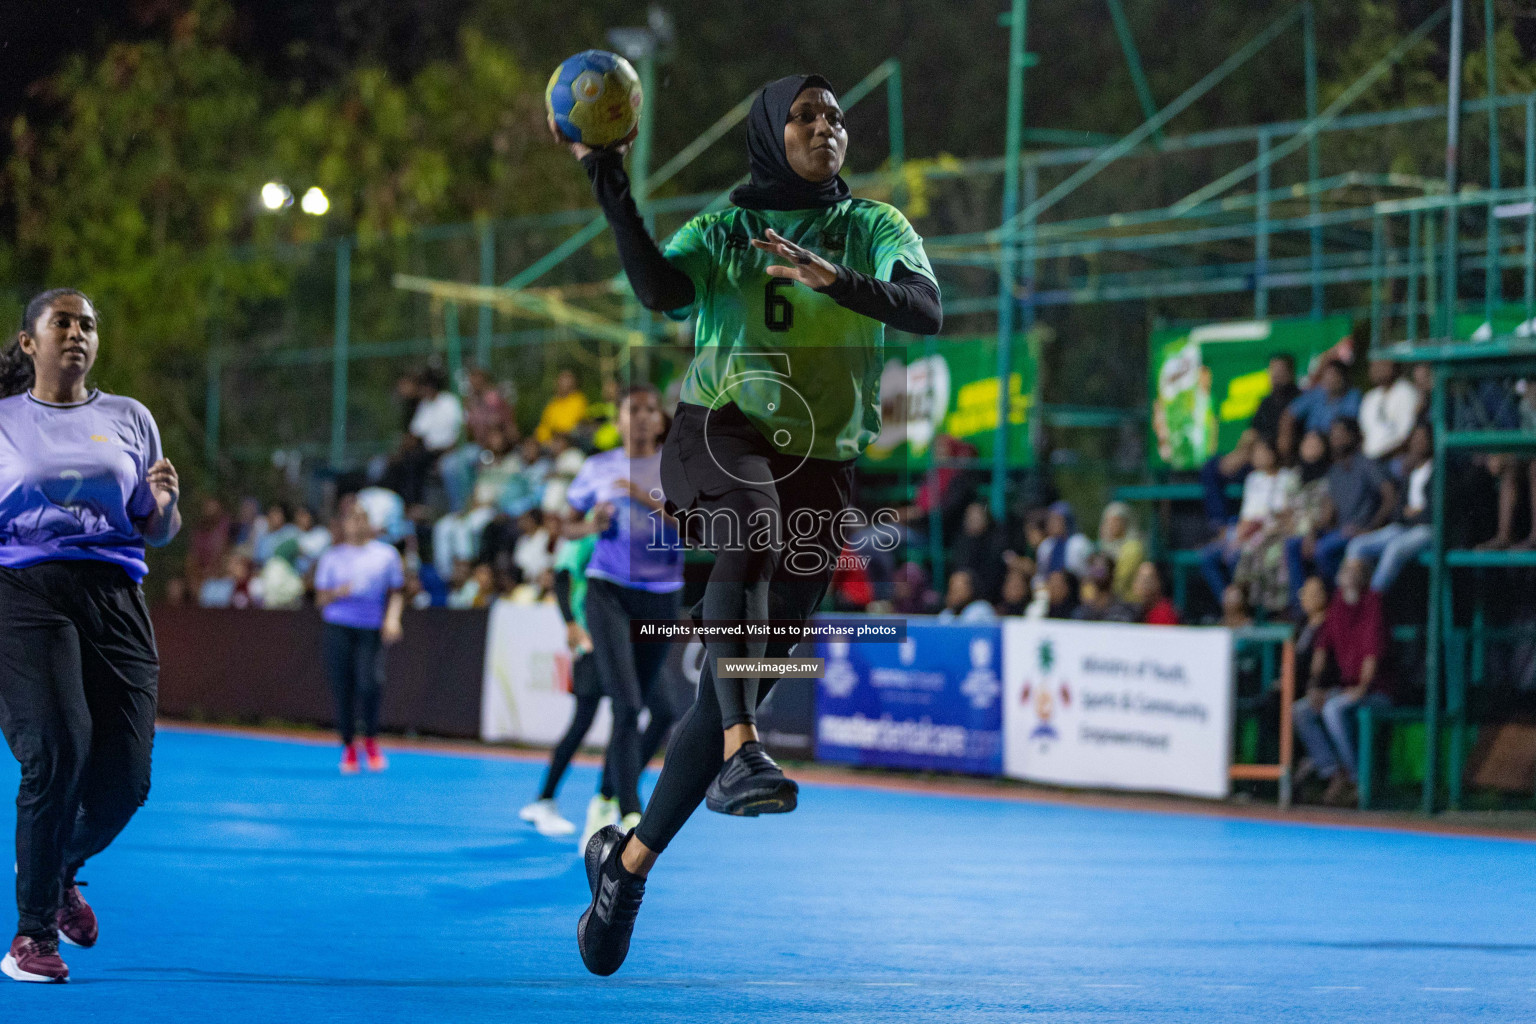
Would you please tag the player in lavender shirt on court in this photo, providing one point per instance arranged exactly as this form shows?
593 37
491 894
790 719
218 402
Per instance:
83 487
360 587
635 572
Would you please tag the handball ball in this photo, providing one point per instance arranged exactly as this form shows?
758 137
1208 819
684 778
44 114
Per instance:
594 98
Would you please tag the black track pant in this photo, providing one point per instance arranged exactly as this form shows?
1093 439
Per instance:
698 745
354 664
630 673
78 678
589 695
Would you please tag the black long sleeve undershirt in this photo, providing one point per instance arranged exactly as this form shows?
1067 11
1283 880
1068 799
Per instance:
563 595
908 302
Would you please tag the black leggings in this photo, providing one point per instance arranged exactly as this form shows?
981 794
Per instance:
589 695
354 663
763 513
698 745
630 673
78 681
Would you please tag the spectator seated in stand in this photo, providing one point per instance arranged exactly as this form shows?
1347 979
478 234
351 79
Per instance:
600 430
312 537
1261 568
486 411
1268 491
1363 498
280 584
1387 412
1016 596
961 603
1121 541
1060 596
1149 597
1317 407
457 535
564 411
434 431
1353 637
478 591
1097 601
280 530
910 593
1235 613
1309 625
1063 547
942 497
209 545
1399 544
237 587
979 550
1232 467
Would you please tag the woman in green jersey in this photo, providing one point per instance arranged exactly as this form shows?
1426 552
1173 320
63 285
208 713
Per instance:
791 290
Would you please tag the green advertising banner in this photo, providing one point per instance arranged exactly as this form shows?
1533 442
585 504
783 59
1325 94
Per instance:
1208 381
951 391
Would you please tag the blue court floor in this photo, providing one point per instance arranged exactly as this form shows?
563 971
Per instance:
259 885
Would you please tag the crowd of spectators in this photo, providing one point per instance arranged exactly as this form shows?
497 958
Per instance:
473 505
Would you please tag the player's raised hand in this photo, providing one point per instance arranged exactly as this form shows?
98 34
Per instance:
804 266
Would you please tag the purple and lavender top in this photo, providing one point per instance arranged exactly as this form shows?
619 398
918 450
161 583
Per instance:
640 549
372 570
73 480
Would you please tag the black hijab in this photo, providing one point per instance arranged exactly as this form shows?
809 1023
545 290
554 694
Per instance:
774 184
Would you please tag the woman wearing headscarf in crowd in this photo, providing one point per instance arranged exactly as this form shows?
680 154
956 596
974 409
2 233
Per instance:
797 267
1063 547
1120 539
1260 570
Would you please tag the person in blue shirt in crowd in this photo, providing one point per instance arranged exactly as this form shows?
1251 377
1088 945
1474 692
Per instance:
1319 405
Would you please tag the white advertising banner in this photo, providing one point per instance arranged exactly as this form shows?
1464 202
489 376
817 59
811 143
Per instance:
1118 706
526 694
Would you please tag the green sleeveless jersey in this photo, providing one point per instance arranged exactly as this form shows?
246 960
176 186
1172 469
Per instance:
804 370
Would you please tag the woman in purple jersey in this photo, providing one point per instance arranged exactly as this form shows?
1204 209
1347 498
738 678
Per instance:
635 572
360 587
83 487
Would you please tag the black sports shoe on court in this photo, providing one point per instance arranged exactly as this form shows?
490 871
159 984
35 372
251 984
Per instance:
603 932
750 783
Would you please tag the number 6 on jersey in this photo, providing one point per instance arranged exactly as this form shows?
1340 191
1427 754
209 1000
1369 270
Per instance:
778 311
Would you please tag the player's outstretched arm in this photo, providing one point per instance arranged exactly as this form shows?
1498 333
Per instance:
657 283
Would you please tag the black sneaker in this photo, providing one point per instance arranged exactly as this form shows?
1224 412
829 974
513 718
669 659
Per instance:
603 932
750 783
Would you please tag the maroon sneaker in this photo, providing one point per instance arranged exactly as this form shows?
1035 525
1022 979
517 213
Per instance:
34 960
76 919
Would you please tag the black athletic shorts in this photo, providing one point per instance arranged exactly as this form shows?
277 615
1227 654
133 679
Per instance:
710 453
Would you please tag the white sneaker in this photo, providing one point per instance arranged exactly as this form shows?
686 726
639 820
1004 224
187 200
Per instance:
629 820
600 814
544 815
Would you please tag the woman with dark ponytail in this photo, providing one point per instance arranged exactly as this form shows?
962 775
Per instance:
83 488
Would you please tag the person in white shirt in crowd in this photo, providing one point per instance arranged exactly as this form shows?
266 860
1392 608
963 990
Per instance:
1399 543
1388 411
1267 492
314 538
534 552
434 431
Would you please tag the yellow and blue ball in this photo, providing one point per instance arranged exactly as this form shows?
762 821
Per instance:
594 98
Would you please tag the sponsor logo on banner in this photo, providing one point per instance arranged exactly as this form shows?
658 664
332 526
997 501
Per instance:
929 702
1118 706
526 691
